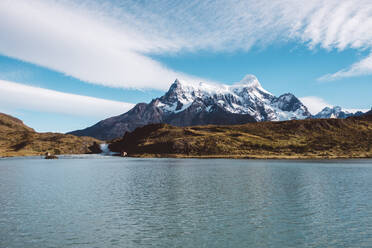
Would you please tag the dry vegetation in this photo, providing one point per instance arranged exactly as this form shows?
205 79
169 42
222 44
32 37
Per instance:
16 139
326 138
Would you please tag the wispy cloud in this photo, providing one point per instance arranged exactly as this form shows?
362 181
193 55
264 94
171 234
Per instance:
108 42
361 68
81 42
15 96
314 104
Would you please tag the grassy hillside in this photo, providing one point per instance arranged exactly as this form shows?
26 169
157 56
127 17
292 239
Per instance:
324 138
16 139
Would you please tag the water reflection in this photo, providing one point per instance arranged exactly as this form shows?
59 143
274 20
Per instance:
184 203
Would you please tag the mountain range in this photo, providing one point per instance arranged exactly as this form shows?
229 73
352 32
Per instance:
336 112
190 104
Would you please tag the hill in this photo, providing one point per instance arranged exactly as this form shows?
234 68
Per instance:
311 138
17 139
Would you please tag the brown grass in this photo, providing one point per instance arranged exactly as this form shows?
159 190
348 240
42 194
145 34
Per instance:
16 139
327 138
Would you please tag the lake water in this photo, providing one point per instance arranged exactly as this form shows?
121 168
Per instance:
97 201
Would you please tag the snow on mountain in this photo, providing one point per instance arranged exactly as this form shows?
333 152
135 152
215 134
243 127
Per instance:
336 112
244 97
188 104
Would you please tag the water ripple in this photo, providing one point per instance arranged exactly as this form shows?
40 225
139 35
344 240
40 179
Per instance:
98 201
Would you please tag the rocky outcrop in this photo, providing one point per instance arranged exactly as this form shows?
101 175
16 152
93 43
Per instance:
48 155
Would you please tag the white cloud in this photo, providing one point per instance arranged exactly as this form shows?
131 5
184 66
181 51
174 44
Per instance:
108 42
314 104
363 67
356 110
81 43
15 96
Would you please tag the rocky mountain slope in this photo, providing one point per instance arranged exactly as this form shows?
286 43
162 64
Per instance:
335 112
188 104
366 116
311 138
17 139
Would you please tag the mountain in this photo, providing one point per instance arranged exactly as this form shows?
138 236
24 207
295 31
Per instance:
17 139
335 112
307 139
366 116
9 123
188 104
245 97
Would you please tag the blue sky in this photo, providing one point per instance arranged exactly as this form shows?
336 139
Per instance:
67 64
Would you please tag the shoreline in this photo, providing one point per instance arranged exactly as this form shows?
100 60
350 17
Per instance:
181 156
245 157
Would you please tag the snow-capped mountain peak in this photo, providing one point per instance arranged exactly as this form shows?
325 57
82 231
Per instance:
336 112
247 97
249 81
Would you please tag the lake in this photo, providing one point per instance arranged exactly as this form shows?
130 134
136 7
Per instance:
98 201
